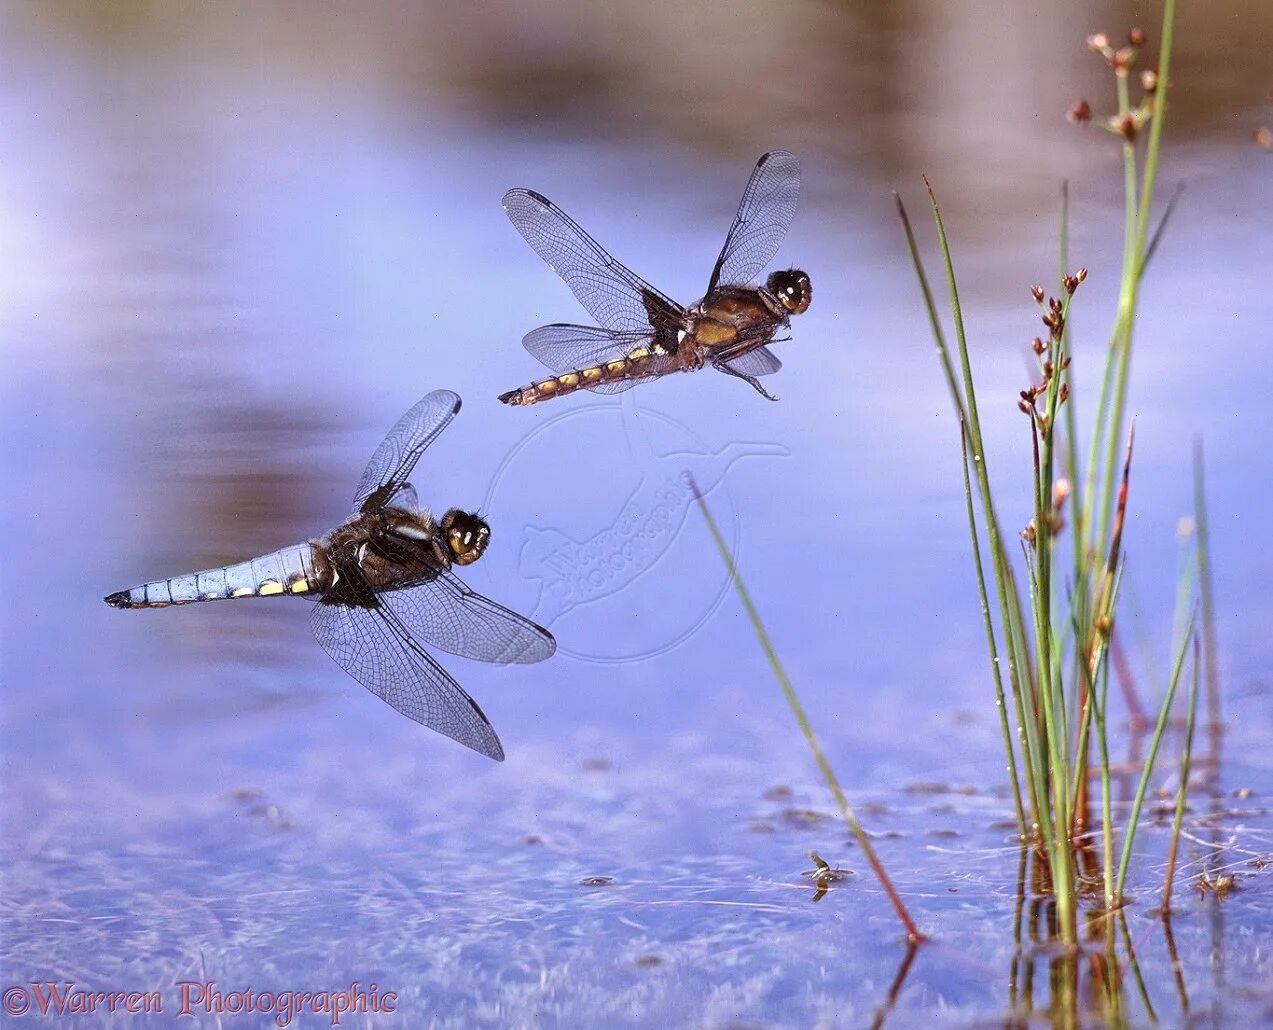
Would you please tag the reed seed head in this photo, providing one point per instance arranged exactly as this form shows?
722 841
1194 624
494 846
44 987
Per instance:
1136 37
1098 42
1149 80
1124 126
1037 293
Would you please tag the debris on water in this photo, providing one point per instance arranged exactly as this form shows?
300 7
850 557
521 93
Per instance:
257 805
1220 886
927 788
804 818
823 875
761 826
942 833
596 881
778 793
648 961
596 764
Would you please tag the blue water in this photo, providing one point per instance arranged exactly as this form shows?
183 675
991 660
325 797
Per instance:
236 244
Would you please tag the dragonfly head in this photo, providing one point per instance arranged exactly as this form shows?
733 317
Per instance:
793 290
466 536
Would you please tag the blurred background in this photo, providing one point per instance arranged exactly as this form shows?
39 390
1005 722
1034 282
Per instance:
237 241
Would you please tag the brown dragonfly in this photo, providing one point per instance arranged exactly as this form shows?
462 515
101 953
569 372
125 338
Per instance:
384 583
645 335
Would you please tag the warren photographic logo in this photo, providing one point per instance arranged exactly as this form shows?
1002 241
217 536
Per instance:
612 555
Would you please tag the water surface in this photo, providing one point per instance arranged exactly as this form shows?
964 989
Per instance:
239 242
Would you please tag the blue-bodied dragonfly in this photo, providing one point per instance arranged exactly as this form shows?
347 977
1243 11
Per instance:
385 584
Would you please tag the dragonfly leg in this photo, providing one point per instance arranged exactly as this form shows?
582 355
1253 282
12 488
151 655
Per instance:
724 366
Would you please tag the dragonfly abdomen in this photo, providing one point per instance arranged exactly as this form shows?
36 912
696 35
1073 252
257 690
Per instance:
632 365
291 570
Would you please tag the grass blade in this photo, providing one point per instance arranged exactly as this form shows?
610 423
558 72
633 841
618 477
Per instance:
912 932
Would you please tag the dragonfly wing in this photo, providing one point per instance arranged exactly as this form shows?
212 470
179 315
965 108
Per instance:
568 348
764 215
444 612
391 465
376 649
758 362
614 295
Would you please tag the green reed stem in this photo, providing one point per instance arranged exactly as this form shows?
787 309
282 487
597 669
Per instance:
1164 713
1010 603
1182 792
1138 207
1206 589
1000 701
912 932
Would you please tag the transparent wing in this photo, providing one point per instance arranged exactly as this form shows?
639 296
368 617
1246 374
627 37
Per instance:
444 612
565 348
397 454
376 649
614 295
764 215
759 362
403 497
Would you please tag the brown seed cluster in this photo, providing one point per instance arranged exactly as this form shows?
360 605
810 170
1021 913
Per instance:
1122 59
1049 351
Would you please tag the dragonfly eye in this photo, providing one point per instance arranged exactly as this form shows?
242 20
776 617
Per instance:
793 290
466 536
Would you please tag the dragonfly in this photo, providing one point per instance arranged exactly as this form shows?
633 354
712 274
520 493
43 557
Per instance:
385 584
643 334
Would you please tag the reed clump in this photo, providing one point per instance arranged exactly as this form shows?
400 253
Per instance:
1049 591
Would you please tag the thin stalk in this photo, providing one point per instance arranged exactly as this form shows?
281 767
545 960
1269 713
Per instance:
1071 424
895 988
1182 791
1000 701
1119 344
1134 261
1098 693
797 709
1002 577
1164 713
1161 227
1141 989
1207 594
930 305
1174 956
1010 608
